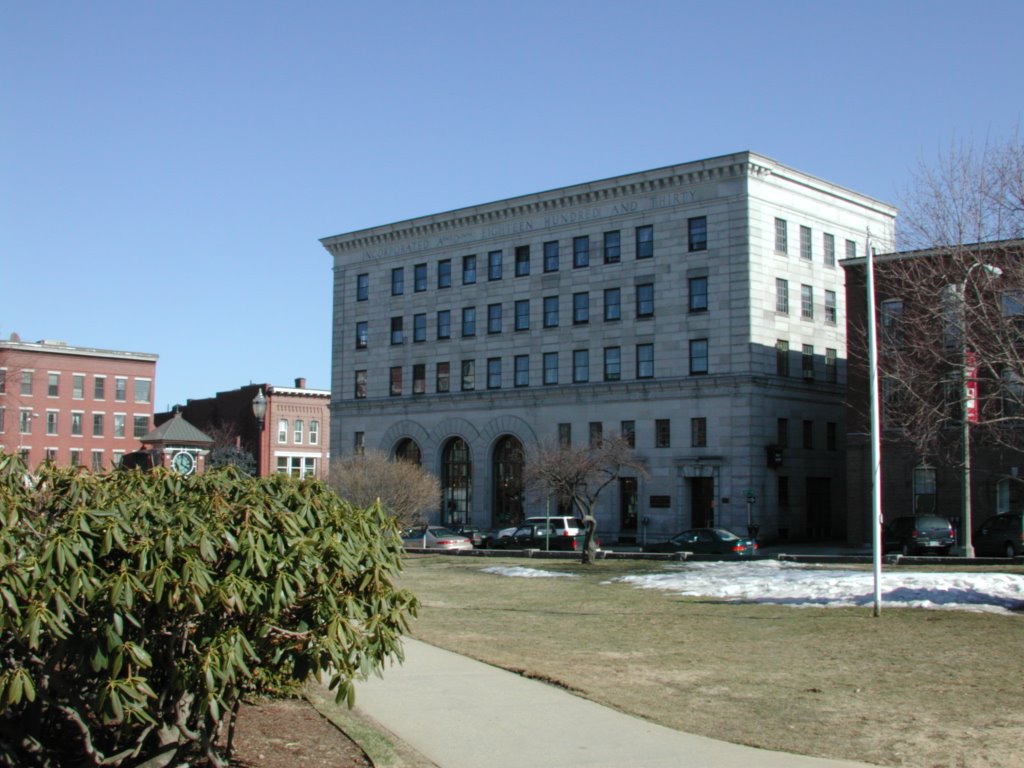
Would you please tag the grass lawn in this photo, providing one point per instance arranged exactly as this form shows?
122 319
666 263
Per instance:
912 687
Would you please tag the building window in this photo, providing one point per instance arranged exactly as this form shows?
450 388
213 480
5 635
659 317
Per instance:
282 430
662 433
3 381
53 385
808 434
444 324
698 357
522 260
468 375
830 436
831 310
469 321
550 368
628 430
612 363
645 361
419 378
362 334
805 243
99 388
120 389
25 421
550 311
444 273
362 287
396 330
521 370
26 382
581 251
645 300
551 256
831 366
698 294
97 461
782 433
891 310
851 249
564 435
77 386
494 373
76 457
395 389
51 456
419 328
494 318
645 242
807 362
419 278
612 247
781 236
522 310
612 304
76 423
828 244
580 308
51 423
360 384
580 366
3 419
782 296
697 233
806 302
298 431
782 492
97 425
296 466
398 281
140 426
468 270
358 443
699 432
444 377
781 357
494 265
143 391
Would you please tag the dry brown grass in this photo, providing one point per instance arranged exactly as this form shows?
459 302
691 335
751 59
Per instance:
910 688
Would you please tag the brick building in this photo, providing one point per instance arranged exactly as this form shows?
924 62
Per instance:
74 405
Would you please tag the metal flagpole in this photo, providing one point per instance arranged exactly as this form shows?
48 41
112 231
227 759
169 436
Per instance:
876 446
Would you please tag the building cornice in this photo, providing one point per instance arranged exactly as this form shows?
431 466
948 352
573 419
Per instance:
63 348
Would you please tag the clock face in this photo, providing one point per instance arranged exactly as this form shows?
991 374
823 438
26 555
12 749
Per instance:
183 462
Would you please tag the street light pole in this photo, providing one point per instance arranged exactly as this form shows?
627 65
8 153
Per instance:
969 404
259 410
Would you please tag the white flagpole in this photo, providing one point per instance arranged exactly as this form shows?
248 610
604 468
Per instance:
876 445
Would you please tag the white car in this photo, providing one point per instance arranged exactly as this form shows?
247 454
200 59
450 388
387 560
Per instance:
434 537
561 525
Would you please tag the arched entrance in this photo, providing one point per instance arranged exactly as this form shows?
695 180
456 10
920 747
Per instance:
456 482
408 450
507 492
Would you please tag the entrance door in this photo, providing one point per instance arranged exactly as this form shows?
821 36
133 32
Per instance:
702 502
627 509
819 507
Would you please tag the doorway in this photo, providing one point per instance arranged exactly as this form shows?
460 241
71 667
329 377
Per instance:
702 502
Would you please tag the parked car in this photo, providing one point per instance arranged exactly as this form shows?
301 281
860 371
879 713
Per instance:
471 532
541 536
914 534
562 525
1001 536
707 541
434 537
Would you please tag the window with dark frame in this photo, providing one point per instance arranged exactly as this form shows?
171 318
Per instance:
782 433
628 430
645 300
444 273
580 308
612 304
522 310
419 328
494 373
781 357
698 301
419 378
521 370
494 265
550 311
580 366
662 433
494 318
522 259
697 233
645 361
419 278
360 384
805 243
831 308
443 376
612 363
396 330
828 244
396 381
362 287
698 432
645 241
551 256
596 433
807 302
444 324
782 295
469 321
362 334
398 281
807 362
612 247
698 357
781 236
550 361
581 251
468 270
468 375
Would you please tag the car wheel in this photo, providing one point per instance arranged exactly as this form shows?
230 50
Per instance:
1010 551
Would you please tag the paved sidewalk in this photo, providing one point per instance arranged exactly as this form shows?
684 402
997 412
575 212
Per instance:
461 713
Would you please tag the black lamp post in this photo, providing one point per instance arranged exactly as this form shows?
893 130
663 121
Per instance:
259 409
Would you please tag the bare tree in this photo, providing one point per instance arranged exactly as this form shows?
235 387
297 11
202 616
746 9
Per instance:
576 476
227 449
406 490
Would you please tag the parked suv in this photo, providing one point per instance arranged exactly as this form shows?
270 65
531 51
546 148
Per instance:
912 534
539 536
1001 536
561 525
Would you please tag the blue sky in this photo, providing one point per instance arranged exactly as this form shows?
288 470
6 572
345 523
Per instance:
169 167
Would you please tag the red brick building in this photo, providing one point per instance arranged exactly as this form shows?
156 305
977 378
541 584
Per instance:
74 405
293 437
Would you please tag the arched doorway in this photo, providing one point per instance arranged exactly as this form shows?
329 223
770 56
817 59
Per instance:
456 482
408 450
507 493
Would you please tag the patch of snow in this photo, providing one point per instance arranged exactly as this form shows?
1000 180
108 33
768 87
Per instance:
524 573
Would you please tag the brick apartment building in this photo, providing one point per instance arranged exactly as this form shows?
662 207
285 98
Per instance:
74 405
294 437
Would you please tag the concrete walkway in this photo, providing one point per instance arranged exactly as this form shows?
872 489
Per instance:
461 713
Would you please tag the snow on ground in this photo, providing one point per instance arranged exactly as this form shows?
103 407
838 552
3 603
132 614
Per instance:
781 583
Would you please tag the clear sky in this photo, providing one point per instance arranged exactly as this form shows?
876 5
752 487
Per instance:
169 167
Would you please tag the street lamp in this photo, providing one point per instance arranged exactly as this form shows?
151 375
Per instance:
968 403
259 409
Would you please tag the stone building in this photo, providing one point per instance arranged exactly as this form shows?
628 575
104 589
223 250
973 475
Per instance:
697 308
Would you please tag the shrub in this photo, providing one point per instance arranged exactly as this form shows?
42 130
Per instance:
139 607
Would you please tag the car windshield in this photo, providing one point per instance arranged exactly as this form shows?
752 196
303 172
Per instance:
442 533
725 535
